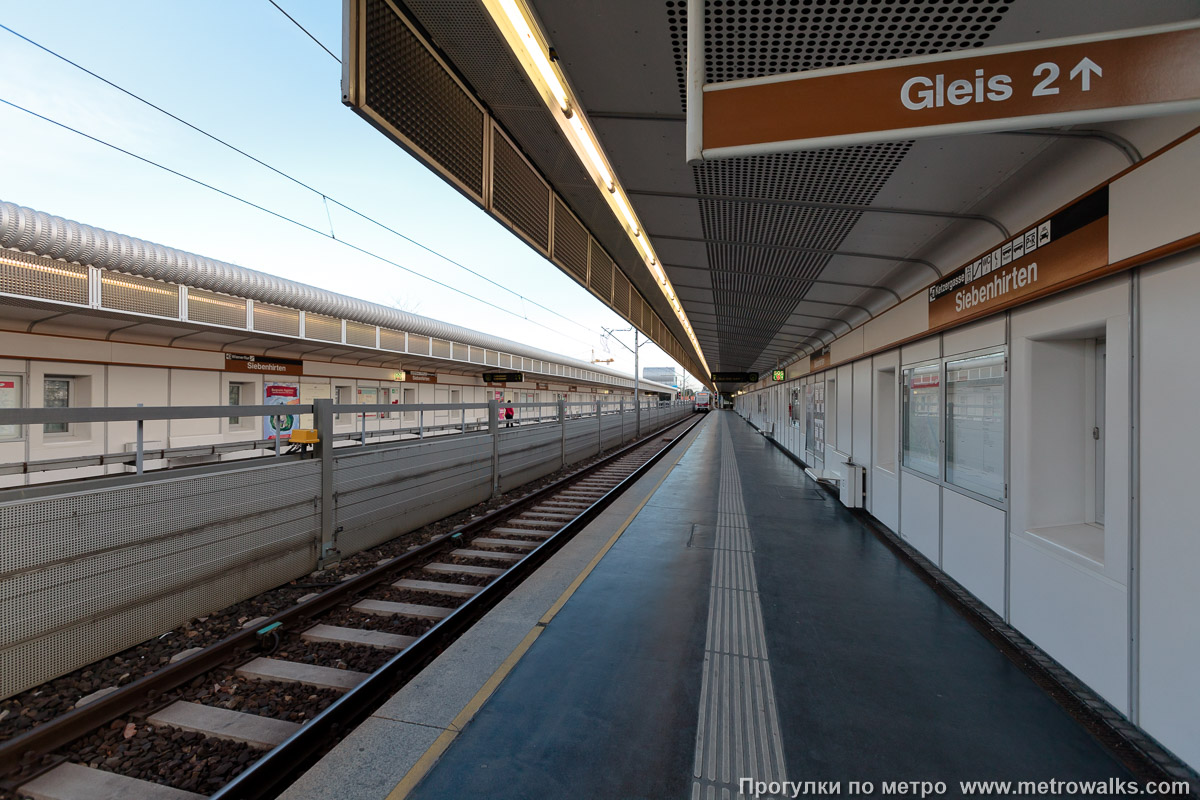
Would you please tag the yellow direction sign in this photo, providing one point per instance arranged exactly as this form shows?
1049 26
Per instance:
1118 75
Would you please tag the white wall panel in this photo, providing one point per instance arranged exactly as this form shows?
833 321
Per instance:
987 333
861 448
128 386
195 388
798 369
1170 542
884 500
845 411
848 346
973 547
1156 203
910 318
923 350
920 514
1075 615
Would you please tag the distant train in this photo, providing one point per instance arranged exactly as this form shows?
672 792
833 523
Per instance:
704 401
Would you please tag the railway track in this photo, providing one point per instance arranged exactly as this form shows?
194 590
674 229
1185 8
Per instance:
246 715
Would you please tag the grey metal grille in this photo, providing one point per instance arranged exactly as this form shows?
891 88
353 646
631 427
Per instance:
418 345
518 192
754 287
327 329
462 354
407 86
492 358
216 309
389 339
31 276
570 242
600 270
620 299
635 307
442 349
505 360
826 33
75 565
140 295
364 335
276 319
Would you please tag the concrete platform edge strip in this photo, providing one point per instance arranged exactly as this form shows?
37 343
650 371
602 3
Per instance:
430 757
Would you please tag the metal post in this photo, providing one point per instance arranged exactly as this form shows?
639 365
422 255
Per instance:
562 432
323 450
140 426
494 430
637 390
421 423
363 429
622 419
599 430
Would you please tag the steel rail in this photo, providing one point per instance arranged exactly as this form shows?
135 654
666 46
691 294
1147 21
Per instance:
25 749
277 769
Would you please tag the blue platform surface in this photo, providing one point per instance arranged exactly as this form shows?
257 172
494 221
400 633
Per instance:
746 627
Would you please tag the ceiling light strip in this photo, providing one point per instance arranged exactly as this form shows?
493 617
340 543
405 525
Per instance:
516 24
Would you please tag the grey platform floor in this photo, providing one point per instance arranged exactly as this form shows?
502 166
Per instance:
744 625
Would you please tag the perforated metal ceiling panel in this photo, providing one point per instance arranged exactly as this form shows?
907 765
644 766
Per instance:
772 256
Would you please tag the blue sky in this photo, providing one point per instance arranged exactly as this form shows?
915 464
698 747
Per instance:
242 71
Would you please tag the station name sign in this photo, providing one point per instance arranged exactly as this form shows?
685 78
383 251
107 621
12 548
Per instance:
1070 244
414 376
262 365
1117 75
735 377
503 377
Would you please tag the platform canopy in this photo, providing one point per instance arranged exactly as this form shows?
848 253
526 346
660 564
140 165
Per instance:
568 121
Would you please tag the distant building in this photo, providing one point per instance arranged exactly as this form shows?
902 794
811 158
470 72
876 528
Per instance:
661 375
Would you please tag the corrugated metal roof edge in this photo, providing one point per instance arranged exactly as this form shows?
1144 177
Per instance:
43 234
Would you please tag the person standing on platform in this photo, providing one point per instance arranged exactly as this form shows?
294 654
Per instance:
508 416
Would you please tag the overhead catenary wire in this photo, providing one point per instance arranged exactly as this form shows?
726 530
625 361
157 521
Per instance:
301 27
280 216
325 198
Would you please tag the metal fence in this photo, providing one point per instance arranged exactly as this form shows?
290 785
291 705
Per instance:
93 566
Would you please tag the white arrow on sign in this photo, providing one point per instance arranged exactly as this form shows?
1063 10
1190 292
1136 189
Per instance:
1083 70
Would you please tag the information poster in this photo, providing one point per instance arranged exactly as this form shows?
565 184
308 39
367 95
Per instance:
280 394
10 397
368 396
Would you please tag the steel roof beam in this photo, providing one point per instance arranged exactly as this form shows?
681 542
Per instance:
798 249
1127 148
767 201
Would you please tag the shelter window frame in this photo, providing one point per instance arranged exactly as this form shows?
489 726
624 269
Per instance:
58 391
932 380
238 392
921 419
984 412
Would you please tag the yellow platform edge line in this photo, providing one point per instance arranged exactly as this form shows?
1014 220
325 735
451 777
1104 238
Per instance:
440 745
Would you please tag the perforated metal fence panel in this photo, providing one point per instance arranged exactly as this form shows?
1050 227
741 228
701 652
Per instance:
529 453
384 491
89 573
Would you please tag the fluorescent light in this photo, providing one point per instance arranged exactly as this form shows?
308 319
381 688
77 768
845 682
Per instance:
650 259
593 152
627 213
533 47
